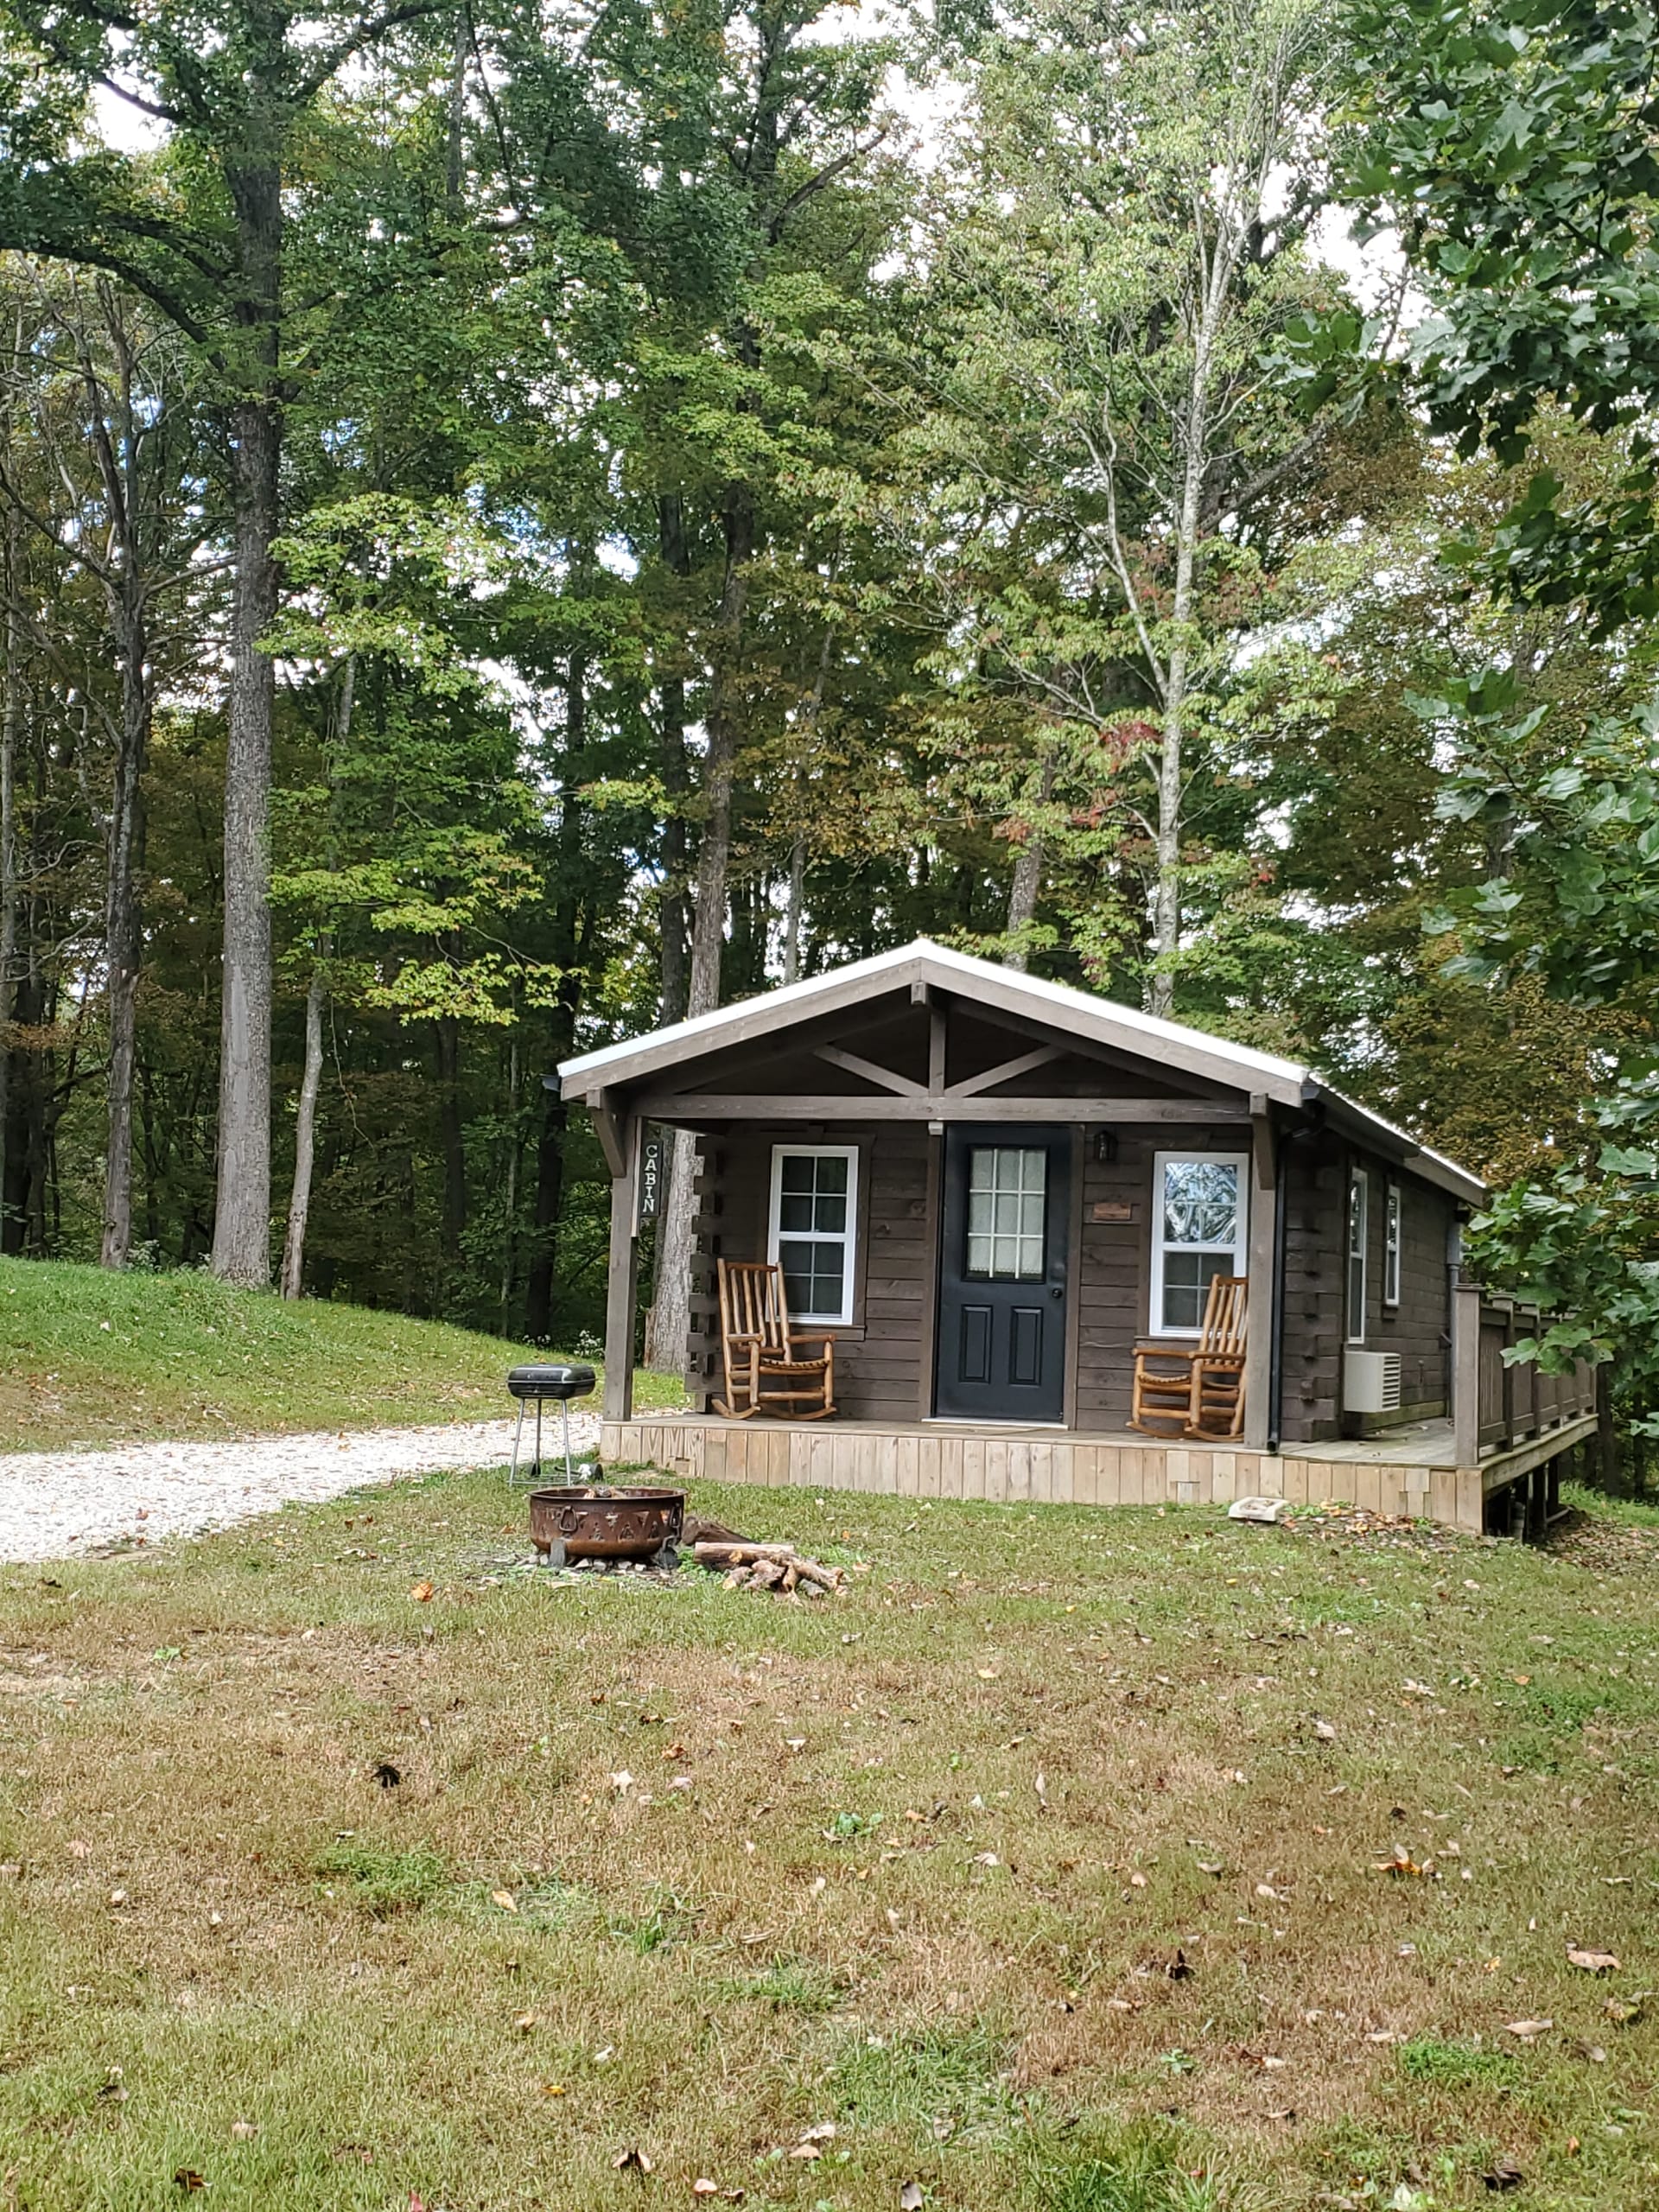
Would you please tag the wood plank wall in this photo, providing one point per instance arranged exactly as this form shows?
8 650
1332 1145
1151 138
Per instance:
878 1359
1316 1276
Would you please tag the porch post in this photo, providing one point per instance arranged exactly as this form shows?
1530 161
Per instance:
1258 1297
1465 1373
621 1289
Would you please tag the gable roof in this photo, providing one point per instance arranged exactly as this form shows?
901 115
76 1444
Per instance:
1080 1013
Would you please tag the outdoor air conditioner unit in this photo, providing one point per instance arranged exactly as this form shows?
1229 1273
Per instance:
1370 1382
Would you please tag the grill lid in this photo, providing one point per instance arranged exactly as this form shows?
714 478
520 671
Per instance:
554 1380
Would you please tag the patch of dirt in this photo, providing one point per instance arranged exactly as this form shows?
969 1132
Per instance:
1605 1546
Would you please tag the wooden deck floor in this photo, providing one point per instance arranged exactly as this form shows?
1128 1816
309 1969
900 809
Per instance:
1413 1472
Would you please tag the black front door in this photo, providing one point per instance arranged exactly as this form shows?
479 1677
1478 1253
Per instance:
1002 1270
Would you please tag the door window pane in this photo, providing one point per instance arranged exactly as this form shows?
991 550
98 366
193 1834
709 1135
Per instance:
1008 1202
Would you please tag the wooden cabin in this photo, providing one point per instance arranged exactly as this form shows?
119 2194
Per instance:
992 1189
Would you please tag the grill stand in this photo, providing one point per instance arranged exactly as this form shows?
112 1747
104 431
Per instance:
533 1477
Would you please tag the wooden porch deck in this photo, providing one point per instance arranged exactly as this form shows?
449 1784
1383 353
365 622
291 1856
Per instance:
1412 1472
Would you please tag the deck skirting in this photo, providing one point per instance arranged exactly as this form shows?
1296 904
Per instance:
1011 1468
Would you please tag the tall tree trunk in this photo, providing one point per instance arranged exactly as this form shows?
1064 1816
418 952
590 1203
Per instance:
673 909
11 708
792 917
305 1139
123 923
796 895
510 1233
453 1137
567 949
242 1214
670 1312
305 1120
1028 879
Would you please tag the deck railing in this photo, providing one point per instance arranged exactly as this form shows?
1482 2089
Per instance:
1497 1405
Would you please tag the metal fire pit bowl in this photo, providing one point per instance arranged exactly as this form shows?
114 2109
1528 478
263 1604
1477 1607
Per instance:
606 1524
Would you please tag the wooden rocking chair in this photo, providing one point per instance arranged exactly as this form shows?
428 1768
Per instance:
1197 1391
765 1372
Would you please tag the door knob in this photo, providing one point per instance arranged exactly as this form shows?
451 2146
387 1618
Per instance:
1059 1291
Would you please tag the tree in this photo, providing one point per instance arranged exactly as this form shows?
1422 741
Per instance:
1513 147
1123 235
202 229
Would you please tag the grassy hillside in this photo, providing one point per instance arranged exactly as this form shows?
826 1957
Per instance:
91 1357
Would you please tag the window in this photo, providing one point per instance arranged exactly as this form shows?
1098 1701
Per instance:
1199 1232
1391 1245
1358 1222
814 1217
1007 1201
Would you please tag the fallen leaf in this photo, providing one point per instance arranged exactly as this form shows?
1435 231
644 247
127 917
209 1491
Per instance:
1137 1880
421 1593
387 1775
1594 1961
1527 2031
525 2022
987 1859
631 2161
243 2131
1324 1732
1178 1968
79 1850
623 1781
505 1900
704 2187
187 2179
823 2132
553 2088
911 2198
1502 2174
1624 2009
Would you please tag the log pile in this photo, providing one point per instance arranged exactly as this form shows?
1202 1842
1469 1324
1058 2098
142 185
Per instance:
767 1567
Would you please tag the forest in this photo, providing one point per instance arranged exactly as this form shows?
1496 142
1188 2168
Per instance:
518 523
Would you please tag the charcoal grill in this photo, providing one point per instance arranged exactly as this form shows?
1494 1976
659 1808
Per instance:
555 1383
599 1523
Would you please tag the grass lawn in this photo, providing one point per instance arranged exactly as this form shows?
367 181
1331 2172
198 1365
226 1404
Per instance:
91 1357
1046 1865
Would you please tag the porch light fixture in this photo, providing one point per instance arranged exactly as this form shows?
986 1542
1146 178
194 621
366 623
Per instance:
1105 1146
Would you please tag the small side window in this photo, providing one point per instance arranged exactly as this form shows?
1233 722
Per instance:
1358 1227
1391 1246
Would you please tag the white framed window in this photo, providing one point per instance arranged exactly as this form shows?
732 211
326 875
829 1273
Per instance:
1359 1214
1391 1220
813 1223
1198 1231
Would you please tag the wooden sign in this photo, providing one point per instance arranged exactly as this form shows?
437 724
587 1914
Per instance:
650 1177
1112 1210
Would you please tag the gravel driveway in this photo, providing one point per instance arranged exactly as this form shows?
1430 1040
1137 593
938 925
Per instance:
59 1504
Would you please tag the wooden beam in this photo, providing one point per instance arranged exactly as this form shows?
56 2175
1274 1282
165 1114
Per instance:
1005 1071
1466 1298
1264 1230
884 1079
939 1041
609 1129
696 1107
622 1283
